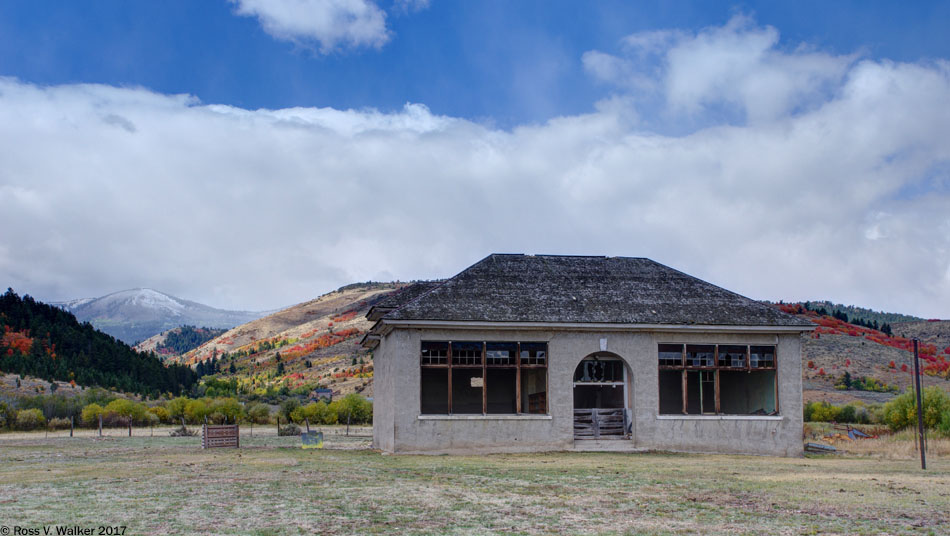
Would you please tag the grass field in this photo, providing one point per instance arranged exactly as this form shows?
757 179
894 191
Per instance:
165 485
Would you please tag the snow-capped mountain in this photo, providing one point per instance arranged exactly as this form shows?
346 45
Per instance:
137 314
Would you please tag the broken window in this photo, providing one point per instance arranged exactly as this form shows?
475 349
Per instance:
698 379
471 377
435 353
671 354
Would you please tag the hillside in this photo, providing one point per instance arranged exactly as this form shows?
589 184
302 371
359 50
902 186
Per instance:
46 342
837 347
860 313
137 314
177 341
315 343
935 332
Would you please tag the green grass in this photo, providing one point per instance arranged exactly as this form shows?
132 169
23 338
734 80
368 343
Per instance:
163 485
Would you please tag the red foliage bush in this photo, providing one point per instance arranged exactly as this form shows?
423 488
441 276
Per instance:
18 341
811 364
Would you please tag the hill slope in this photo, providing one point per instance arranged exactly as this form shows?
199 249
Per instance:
309 344
137 314
177 341
837 347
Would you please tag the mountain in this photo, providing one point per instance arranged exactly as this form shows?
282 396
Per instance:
315 343
137 314
47 342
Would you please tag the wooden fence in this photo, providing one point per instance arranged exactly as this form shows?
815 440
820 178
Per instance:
220 435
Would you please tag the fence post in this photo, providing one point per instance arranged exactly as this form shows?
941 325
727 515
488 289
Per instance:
130 426
100 425
71 418
308 424
278 425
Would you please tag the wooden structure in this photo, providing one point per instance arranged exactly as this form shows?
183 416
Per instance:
220 435
597 423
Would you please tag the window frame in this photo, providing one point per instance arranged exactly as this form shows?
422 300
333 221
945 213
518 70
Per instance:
686 367
518 362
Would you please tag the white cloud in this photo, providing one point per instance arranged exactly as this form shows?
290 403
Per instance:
105 188
334 24
737 67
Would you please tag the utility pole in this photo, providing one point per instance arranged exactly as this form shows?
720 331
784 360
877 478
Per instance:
920 406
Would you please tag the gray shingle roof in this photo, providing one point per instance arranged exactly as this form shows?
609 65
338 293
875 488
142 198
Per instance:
397 298
550 288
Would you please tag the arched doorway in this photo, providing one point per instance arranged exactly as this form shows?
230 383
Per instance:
602 397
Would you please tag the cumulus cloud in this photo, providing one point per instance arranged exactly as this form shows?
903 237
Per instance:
836 192
332 24
734 68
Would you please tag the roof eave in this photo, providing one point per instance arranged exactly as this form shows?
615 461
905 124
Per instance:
370 341
591 326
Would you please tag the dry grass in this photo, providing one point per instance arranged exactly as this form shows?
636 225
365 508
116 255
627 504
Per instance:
887 446
163 485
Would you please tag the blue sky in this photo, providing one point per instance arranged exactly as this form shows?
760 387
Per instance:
500 61
251 154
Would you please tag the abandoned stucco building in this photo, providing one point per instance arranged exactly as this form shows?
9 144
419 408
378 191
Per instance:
529 353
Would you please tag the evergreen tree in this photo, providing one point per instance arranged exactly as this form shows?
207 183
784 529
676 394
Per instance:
55 346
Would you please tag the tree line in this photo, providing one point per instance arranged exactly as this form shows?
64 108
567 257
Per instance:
47 342
58 411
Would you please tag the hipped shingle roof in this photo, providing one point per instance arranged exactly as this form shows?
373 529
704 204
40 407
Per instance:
575 289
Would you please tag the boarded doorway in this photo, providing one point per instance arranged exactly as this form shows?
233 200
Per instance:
601 398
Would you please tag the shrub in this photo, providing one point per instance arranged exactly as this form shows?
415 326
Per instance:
196 411
90 414
59 423
944 426
7 415
160 413
182 431
225 410
176 408
288 406
258 413
289 430
122 410
29 419
807 412
824 412
847 413
355 407
901 412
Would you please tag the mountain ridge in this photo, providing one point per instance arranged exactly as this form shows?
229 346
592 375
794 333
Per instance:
134 315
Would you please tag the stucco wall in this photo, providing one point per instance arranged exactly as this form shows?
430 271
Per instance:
399 427
383 401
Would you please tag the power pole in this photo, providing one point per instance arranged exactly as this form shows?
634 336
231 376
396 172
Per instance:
920 407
